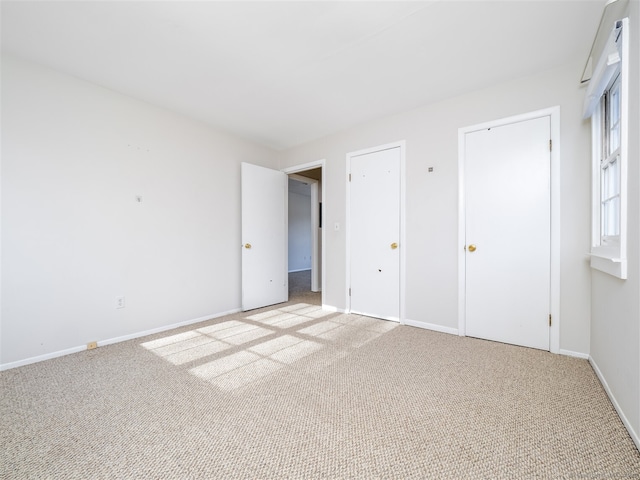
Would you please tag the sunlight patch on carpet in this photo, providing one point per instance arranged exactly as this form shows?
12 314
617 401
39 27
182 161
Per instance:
294 332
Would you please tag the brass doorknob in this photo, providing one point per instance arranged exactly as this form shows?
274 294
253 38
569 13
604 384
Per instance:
472 248
394 245
247 245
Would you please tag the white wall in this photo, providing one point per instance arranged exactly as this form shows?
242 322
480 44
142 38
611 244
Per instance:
431 135
74 157
299 232
615 324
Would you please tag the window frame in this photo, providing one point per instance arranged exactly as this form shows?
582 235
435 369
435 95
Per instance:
609 156
609 251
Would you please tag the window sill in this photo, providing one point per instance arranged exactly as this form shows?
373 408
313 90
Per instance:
613 265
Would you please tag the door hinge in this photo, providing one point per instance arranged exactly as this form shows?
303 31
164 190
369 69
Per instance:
549 319
349 177
550 145
349 291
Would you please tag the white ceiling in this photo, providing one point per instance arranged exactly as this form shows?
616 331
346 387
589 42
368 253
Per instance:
283 73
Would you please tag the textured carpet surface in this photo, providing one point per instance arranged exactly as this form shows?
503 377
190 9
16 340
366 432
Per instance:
296 392
300 282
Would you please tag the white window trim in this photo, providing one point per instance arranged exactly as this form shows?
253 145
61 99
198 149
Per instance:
610 258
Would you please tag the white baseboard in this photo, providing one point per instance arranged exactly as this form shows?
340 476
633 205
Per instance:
300 270
332 309
569 353
110 341
634 435
41 358
431 326
124 338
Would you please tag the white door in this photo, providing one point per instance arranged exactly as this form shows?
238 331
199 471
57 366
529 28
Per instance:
264 237
508 233
374 232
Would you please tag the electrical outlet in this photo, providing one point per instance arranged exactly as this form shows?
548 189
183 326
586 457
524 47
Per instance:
92 345
120 301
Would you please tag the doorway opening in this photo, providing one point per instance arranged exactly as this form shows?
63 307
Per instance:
305 242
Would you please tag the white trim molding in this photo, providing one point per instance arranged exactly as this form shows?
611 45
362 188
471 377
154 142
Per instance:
632 433
609 255
291 171
111 341
431 326
299 270
41 358
332 309
554 301
569 353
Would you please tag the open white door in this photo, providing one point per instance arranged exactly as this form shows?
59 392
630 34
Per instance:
264 237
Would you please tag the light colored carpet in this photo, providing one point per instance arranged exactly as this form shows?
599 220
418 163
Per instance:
294 392
300 282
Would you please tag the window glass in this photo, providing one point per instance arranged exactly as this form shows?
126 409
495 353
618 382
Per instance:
610 162
614 116
610 199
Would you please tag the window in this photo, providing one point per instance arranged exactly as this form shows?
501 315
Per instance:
606 105
610 164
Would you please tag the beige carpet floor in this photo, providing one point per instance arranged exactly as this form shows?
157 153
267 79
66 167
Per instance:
295 392
300 282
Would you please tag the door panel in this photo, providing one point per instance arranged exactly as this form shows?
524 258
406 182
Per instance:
374 227
507 202
264 237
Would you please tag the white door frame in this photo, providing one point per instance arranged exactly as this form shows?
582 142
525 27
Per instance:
314 221
313 184
403 250
554 114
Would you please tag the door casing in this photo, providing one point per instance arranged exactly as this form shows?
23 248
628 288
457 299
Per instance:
301 168
402 240
554 114
314 215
